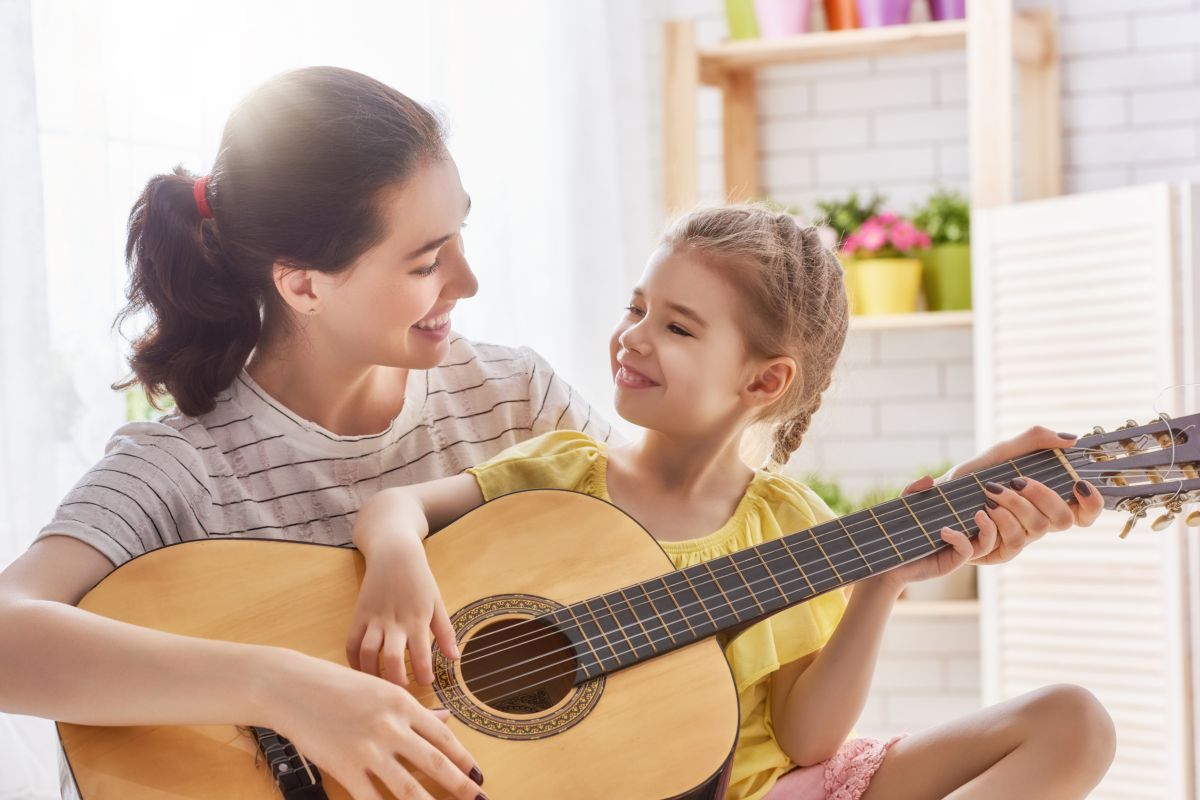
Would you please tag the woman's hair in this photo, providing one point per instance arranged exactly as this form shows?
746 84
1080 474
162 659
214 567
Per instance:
297 179
793 299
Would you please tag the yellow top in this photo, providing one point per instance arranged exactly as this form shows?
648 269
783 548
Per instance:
773 506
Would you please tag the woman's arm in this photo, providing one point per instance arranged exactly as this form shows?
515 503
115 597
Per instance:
60 662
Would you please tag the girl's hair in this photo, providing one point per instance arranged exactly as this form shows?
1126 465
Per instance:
297 179
793 298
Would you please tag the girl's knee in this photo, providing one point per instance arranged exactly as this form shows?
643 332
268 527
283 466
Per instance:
1075 724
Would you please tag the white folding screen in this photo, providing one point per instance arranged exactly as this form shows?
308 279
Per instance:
1085 316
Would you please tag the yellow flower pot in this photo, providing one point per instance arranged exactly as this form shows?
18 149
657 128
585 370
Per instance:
848 278
887 285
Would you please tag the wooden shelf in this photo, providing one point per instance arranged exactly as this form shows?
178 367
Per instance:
921 37
918 319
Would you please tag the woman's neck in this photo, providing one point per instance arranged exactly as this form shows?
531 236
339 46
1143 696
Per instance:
345 398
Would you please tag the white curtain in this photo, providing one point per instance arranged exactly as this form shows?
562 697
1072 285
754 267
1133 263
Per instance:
545 102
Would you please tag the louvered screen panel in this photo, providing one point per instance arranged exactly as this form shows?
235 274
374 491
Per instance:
1079 304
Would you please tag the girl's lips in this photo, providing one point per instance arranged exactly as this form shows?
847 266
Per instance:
632 379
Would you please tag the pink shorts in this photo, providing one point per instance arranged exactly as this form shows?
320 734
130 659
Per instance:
843 777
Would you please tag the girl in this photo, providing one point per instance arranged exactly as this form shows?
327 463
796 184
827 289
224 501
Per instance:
739 318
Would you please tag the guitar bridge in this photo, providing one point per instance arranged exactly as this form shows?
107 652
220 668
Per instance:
296 777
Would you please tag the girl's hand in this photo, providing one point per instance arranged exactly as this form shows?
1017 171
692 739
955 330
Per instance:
357 727
398 605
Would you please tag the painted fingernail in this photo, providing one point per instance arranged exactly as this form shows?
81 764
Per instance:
481 797
990 503
476 776
1083 488
1067 436
993 487
1018 483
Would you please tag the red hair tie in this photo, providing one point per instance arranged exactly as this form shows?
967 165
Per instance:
199 191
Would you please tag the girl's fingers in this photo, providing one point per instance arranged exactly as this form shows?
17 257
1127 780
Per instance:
368 650
353 645
443 631
393 657
422 659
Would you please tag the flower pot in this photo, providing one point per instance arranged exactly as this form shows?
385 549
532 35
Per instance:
887 285
878 13
841 15
740 16
781 18
849 273
947 277
940 10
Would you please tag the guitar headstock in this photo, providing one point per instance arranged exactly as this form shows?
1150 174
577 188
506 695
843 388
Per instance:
1139 467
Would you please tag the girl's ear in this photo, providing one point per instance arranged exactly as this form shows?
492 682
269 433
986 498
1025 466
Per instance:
769 381
295 286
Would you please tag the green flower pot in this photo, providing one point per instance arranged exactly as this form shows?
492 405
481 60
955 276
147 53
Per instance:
946 276
743 24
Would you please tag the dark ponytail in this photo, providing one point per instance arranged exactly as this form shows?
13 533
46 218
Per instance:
301 164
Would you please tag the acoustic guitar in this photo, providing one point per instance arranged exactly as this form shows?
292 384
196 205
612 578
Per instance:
590 668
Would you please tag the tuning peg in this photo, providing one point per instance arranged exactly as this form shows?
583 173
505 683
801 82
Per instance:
1129 523
1097 429
1193 520
1163 522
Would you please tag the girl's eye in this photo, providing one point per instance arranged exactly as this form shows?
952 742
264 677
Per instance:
637 312
427 271
677 330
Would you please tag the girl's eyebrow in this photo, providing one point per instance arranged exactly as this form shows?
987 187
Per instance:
678 308
436 243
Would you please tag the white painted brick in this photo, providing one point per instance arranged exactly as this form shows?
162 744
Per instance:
844 419
963 674
874 382
909 673
909 712
1166 30
919 62
709 140
892 456
1081 112
1104 34
1092 180
815 133
1138 71
1168 172
936 125
1171 105
876 164
958 380
953 161
784 99
931 635
951 86
1175 143
785 171
925 345
872 94
1090 8
926 416
860 349
814 70
960 447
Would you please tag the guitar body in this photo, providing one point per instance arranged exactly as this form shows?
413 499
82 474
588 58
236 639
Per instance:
662 728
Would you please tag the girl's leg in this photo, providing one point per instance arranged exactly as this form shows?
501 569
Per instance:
1056 742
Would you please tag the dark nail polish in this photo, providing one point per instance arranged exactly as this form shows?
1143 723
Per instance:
1083 488
481 797
476 776
1067 436
1018 483
993 487
990 503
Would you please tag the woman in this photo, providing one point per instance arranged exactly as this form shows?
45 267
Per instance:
300 299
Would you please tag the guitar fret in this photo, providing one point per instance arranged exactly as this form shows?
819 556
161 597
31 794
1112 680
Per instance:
621 627
870 568
787 546
767 567
699 599
917 519
587 604
1017 468
662 617
638 619
961 525
733 560
708 566
682 614
817 542
885 533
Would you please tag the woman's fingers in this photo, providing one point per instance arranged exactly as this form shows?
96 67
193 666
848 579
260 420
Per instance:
963 551
985 540
399 781
432 761
1046 501
1088 503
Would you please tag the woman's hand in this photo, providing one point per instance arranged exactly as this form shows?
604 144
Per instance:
1018 513
398 605
357 728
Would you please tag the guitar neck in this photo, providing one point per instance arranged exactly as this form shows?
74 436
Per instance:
638 622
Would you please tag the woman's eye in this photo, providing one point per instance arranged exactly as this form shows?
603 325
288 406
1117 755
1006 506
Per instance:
427 271
678 330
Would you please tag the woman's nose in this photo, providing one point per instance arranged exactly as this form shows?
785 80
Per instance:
462 281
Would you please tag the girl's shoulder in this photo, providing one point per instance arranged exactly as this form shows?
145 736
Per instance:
789 499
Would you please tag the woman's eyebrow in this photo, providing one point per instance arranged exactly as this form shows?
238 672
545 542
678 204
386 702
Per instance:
678 308
436 243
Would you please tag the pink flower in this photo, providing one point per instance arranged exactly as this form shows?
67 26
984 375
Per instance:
923 239
871 237
904 235
851 244
887 218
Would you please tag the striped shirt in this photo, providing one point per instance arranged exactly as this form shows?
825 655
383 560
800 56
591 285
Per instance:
252 468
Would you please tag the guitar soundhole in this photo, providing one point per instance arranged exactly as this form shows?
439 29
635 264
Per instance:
518 666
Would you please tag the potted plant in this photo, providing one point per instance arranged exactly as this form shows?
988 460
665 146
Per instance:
887 269
740 16
781 18
878 13
946 216
841 15
844 217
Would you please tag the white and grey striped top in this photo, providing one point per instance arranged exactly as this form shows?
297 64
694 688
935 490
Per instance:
252 468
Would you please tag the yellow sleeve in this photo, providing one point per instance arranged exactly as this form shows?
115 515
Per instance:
555 460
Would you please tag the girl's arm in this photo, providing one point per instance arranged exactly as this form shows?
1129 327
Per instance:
399 604
60 662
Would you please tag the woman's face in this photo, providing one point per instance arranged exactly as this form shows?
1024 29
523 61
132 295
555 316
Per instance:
678 356
392 306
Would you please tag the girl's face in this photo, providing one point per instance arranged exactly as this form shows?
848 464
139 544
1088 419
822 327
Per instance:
392 306
679 356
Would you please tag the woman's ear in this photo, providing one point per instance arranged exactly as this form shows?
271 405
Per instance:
295 286
769 381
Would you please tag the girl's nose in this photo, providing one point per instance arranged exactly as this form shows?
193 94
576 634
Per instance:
634 339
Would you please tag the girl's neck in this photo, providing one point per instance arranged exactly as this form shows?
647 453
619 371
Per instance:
345 398
685 467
